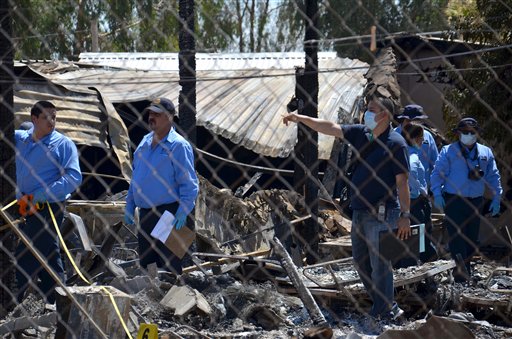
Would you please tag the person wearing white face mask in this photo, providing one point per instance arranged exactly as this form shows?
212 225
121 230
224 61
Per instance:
379 195
427 154
413 135
461 174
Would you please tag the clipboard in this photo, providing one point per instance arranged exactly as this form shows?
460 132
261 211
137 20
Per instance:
394 249
178 241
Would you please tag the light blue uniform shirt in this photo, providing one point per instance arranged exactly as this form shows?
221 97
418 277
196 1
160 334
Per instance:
451 171
428 154
163 174
417 181
49 166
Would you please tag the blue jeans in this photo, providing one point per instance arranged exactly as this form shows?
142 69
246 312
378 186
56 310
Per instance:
376 273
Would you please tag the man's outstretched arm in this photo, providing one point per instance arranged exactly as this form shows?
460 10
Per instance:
319 125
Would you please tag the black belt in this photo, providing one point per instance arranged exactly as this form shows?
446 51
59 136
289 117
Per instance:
450 195
157 207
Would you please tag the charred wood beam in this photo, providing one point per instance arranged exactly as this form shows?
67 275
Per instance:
99 261
304 293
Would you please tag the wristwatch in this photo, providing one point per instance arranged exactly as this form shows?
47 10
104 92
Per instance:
405 214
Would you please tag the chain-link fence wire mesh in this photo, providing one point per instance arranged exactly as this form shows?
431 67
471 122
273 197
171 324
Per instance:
254 185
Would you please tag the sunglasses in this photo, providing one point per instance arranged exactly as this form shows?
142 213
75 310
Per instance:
467 132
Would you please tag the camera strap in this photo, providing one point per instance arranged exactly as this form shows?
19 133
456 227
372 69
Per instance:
465 153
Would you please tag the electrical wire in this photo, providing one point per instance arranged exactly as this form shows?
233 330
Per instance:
292 73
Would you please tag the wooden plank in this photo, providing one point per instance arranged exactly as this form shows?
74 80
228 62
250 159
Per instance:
225 260
492 300
398 282
427 274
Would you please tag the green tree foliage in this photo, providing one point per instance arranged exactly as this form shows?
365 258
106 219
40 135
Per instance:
159 26
121 23
39 32
214 26
62 29
353 18
484 90
289 27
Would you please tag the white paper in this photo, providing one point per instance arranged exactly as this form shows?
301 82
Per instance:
163 227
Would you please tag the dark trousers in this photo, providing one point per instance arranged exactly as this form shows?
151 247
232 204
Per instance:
462 220
40 229
152 250
422 207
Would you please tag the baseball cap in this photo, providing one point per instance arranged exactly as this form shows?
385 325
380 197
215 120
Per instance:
467 122
413 112
161 105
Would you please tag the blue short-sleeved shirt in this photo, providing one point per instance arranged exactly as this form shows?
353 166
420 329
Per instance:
374 179
417 180
163 174
48 167
428 154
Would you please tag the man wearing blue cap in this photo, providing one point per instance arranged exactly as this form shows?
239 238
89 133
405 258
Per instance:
461 173
164 179
427 153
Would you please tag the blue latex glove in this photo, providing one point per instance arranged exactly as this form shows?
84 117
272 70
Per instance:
128 218
495 207
439 202
179 219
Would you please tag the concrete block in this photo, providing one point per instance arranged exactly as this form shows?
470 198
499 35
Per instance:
97 303
184 299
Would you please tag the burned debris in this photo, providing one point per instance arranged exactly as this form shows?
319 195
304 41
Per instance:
242 281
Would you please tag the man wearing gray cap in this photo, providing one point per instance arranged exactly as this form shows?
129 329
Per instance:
164 179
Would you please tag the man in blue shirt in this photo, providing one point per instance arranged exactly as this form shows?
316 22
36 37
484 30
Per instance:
163 179
379 195
461 173
428 155
47 172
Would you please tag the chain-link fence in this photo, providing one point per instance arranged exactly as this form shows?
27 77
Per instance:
255 168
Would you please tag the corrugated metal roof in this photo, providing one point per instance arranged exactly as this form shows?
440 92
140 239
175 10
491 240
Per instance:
82 114
243 105
78 113
204 61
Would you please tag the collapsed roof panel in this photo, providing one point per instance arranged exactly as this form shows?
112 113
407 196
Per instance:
79 116
84 115
241 101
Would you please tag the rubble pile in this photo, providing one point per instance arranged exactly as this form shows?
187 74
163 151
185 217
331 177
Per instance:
244 290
